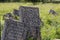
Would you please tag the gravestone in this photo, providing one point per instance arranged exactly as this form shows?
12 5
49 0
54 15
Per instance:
16 12
51 11
13 30
27 26
30 17
8 15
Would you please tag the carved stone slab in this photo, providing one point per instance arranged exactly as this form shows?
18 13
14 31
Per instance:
29 25
16 12
13 30
30 15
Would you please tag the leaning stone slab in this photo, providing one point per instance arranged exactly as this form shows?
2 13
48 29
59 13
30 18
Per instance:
13 30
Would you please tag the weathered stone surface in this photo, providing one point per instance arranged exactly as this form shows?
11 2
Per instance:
16 12
27 26
51 11
30 15
13 30
8 15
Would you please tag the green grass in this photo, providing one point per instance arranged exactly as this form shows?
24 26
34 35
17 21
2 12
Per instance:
48 31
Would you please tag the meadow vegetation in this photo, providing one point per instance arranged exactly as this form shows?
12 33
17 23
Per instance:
51 28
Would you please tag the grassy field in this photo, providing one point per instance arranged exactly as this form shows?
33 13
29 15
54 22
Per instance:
51 28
